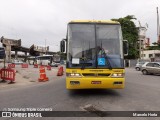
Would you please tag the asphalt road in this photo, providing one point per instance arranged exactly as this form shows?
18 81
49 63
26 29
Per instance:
141 93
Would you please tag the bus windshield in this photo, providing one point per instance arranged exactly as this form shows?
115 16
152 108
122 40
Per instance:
94 46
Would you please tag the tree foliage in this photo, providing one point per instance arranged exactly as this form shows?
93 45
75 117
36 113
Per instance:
130 33
155 47
63 56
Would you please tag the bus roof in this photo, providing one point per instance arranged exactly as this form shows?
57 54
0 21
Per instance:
95 21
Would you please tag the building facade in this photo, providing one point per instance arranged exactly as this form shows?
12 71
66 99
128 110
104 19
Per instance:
151 55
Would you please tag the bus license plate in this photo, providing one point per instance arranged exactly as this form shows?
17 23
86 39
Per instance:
96 82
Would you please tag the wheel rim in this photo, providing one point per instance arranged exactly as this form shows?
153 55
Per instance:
138 69
144 72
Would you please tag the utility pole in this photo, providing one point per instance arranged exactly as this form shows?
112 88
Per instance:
158 28
140 54
142 37
157 24
45 47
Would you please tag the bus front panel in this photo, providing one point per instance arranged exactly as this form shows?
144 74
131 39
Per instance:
95 79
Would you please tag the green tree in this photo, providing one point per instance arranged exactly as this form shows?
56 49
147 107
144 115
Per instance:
130 33
63 56
155 47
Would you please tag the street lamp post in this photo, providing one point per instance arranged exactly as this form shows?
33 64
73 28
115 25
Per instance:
142 37
45 47
140 48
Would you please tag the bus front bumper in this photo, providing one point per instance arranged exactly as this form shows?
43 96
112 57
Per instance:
95 83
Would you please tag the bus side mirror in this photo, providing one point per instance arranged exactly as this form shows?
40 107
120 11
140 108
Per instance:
62 45
125 47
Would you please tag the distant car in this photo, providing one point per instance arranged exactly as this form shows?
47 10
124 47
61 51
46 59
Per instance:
54 65
139 66
151 68
17 62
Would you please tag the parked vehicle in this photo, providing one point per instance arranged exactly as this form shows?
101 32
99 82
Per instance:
17 62
31 60
151 68
63 62
54 64
139 66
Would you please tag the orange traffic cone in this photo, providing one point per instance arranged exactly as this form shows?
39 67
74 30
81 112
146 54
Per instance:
60 71
43 76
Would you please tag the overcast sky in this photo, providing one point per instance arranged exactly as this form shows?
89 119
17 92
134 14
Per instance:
33 21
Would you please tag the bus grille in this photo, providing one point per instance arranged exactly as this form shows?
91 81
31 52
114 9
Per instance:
96 74
88 74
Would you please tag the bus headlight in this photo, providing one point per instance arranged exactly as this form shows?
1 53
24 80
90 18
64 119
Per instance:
73 75
117 75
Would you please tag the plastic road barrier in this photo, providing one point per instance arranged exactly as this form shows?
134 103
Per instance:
24 65
48 67
8 74
35 65
11 65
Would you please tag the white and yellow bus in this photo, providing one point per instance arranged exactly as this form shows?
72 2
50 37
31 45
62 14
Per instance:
95 55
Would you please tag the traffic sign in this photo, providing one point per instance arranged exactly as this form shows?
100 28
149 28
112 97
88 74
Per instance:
101 61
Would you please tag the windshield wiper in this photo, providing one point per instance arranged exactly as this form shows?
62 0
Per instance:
83 62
